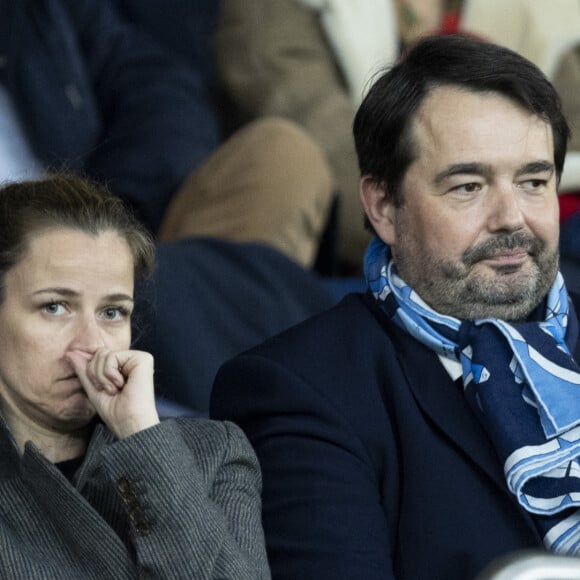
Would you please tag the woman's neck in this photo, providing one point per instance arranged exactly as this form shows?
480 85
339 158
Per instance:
55 445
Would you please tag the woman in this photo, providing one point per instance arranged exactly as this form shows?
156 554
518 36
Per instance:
92 484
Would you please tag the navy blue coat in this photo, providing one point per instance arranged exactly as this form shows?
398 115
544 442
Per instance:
212 299
374 466
101 97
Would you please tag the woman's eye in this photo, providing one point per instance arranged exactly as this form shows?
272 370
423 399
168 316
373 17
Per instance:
115 313
55 308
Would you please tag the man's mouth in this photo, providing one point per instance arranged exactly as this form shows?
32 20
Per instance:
514 256
506 250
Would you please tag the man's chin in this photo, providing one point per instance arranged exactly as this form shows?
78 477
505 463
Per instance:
508 295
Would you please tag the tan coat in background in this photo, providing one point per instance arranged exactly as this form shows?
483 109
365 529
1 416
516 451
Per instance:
311 61
274 59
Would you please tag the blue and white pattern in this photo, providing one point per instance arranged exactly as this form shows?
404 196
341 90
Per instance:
523 384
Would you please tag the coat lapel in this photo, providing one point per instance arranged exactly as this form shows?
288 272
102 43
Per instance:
442 400
78 523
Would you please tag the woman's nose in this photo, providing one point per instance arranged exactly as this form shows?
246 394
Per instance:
88 336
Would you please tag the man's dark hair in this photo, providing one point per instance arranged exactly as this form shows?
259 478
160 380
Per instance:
383 123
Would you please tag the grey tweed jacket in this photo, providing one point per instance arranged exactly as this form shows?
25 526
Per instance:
178 500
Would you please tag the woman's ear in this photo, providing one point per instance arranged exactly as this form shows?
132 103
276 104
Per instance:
378 207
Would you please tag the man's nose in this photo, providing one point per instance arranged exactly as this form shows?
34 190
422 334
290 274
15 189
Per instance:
88 336
505 209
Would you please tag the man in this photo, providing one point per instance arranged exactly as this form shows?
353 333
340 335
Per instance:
385 425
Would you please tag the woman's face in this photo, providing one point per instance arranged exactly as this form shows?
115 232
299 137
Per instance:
70 290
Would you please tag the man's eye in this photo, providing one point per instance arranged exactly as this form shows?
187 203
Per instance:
534 183
468 188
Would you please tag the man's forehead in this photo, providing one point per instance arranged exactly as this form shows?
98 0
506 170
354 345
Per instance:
455 119
451 100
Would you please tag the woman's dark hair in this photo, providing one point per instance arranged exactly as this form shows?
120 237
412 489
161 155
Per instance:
67 201
383 123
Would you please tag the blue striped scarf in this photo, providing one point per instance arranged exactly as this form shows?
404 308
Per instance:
523 385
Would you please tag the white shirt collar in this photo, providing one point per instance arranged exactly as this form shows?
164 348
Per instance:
452 366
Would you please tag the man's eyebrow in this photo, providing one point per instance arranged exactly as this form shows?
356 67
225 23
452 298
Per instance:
536 167
462 169
68 293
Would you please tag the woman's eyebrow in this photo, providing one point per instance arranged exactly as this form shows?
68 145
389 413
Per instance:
69 293
118 298
56 290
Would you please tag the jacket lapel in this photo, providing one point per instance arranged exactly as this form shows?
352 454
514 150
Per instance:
78 523
442 399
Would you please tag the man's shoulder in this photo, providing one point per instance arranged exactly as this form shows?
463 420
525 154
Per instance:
347 321
345 338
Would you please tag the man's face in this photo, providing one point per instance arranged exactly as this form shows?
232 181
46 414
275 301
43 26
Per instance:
477 235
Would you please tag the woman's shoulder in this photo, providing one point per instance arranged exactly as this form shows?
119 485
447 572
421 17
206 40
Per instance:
209 438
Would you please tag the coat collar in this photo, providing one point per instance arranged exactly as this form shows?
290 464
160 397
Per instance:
10 456
32 463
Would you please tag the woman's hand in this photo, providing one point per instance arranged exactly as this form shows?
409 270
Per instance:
119 384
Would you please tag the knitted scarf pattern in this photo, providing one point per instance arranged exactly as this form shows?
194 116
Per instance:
523 385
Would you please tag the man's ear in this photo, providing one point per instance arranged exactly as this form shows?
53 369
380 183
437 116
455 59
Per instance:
378 207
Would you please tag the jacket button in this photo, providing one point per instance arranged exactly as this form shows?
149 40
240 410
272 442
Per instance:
124 487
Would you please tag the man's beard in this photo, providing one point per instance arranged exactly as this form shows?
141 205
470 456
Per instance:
454 289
